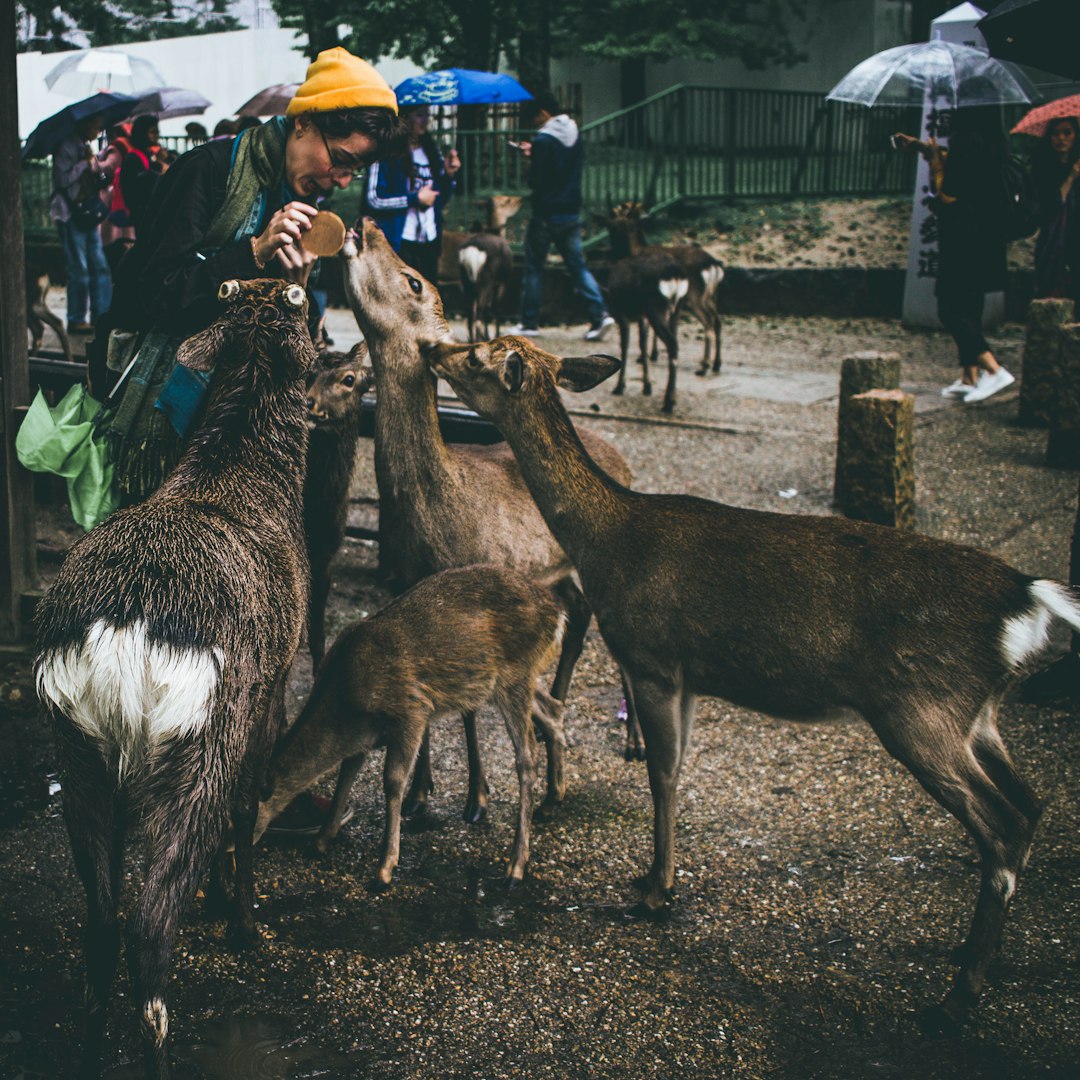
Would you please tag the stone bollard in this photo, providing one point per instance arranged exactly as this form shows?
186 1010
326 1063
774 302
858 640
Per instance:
858 373
1042 359
879 464
1063 440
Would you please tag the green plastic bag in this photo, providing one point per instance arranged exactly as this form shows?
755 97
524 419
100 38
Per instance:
66 440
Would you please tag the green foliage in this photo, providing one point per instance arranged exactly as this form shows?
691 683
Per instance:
49 26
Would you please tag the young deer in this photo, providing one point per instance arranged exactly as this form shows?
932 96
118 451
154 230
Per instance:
164 646
703 272
335 390
38 315
443 506
453 643
790 615
486 263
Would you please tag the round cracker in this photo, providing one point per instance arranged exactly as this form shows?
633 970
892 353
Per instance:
326 235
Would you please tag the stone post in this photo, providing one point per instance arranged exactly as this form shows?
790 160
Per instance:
1063 441
858 373
879 462
1042 359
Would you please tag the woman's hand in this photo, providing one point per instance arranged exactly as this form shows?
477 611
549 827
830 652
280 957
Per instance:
296 262
427 195
901 141
284 230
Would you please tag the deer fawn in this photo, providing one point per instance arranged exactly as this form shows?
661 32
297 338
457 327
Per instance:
788 614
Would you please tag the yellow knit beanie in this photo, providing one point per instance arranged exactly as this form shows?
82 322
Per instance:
339 80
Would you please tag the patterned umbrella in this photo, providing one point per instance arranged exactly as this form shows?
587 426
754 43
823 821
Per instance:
273 101
1037 121
89 70
459 86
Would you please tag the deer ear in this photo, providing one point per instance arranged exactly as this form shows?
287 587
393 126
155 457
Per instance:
513 371
200 351
579 373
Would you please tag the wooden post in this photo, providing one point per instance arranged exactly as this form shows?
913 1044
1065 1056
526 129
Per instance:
1042 359
879 467
858 373
1063 440
18 533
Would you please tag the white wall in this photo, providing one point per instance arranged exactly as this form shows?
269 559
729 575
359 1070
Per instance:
226 68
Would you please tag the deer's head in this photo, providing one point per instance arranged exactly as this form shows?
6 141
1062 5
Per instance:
396 307
335 387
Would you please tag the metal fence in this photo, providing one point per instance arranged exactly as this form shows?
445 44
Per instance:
685 143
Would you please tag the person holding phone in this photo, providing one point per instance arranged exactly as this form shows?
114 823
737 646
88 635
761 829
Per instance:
406 195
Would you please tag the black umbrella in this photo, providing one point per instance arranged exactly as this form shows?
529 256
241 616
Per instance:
53 130
1041 33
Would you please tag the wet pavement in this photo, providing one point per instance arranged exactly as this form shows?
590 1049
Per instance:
819 889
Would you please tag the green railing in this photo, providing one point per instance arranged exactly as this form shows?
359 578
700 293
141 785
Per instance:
687 142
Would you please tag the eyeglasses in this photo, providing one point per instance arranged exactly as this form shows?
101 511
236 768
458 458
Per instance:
353 170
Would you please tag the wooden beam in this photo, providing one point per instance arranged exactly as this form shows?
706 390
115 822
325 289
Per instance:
18 561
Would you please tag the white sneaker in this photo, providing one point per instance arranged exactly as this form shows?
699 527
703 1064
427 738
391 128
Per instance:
988 385
597 331
521 330
958 389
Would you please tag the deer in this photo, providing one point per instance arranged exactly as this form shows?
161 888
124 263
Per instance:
335 390
163 650
442 506
797 616
453 643
38 315
486 263
703 272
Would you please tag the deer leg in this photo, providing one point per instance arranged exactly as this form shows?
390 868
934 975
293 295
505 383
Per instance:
422 786
395 773
624 349
954 772
671 343
517 708
716 342
634 750
578 614
97 845
547 712
350 769
476 803
57 326
646 379
659 710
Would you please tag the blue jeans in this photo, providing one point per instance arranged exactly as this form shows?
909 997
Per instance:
88 276
565 234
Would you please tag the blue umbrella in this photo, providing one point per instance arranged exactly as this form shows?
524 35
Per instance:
53 130
459 86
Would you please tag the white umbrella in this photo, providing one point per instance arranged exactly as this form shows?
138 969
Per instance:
84 73
957 75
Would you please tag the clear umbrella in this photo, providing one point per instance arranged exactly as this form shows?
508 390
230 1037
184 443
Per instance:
84 73
958 76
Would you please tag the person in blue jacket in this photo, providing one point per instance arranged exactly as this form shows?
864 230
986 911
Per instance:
556 158
406 195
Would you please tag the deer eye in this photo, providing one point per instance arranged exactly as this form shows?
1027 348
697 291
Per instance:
349 380
414 284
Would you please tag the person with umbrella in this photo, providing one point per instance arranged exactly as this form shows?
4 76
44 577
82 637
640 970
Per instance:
78 176
406 195
1055 165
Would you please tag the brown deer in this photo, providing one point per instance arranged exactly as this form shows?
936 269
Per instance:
486 264
453 643
703 273
38 315
442 506
788 614
164 646
335 390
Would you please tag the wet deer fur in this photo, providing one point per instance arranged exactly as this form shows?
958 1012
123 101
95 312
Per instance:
443 506
335 391
787 614
453 643
164 645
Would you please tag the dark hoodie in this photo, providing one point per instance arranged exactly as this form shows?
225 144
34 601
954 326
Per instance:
555 165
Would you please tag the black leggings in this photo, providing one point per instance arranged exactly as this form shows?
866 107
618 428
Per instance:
960 308
423 257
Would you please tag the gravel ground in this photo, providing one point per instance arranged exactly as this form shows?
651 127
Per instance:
819 889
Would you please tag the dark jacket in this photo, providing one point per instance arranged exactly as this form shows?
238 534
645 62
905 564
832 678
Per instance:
555 165
388 196
138 179
166 279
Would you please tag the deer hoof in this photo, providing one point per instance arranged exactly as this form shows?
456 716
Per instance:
376 886
512 884
617 390
475 812
240 939
414 806
702 371
669 406
646 390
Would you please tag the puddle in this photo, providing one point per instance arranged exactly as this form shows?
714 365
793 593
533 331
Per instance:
458 904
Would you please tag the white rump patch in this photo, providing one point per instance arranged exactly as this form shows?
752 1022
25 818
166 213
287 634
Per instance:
472 261
156 1019
674 288
1003 882
1025 636
127 691
711 277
